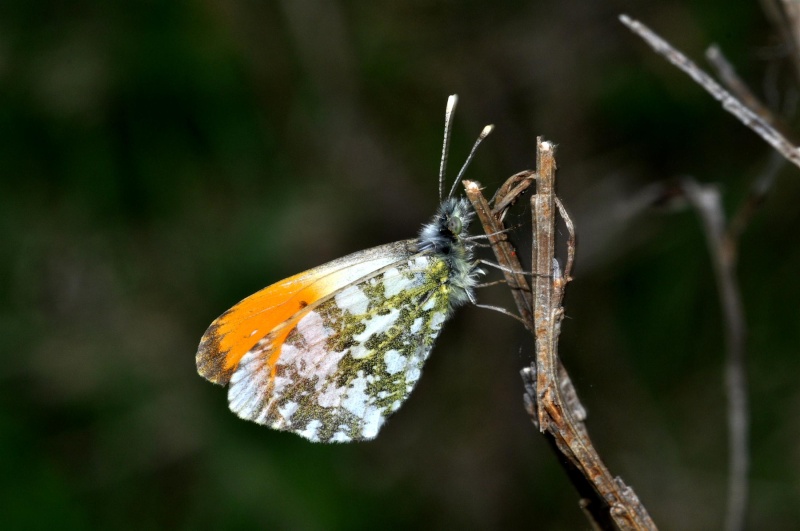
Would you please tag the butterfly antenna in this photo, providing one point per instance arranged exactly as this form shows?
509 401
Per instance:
486 130
448 120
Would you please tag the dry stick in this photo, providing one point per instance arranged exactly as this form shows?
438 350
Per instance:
550 398
740 90
722 245
707 202
763 183
592 503
729 102
625 508
504 253
511 190
571 242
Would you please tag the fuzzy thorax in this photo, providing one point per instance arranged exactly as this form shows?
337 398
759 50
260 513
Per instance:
444 236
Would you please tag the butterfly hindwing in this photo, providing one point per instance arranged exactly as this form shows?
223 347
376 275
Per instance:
351 359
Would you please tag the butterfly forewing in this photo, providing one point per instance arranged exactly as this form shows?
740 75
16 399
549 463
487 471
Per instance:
350 360
274 309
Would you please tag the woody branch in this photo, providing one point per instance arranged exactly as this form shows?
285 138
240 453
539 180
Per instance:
550 397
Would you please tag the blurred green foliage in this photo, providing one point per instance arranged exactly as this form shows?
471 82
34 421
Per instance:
161 160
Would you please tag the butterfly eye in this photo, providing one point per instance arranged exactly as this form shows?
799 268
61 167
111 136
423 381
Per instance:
454 225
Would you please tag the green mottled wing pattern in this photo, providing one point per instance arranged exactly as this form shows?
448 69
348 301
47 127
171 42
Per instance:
353 359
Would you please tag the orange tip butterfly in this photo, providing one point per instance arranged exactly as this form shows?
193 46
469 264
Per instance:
331 352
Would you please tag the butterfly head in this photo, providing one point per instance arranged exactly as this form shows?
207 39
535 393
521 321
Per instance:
445 232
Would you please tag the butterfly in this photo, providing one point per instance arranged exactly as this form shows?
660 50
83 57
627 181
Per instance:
331 352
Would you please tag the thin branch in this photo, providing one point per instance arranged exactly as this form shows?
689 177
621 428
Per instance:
504 252
707 202
763 183
722 237
550 397
570 242
729 102
555 413
511 190
739 88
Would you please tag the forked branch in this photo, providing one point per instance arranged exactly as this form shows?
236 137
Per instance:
722 237
550 397
729 102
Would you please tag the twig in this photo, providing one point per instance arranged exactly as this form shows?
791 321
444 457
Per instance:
550 397
729 102
511 190
763 183
591 503
504 252
722 239
570 242
549 284
707 202
731 79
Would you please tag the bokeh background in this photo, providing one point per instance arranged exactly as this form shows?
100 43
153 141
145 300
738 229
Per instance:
162 160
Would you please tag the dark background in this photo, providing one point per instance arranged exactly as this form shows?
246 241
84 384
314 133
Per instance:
162 160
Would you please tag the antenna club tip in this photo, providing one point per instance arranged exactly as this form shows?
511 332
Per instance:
486 130
451 102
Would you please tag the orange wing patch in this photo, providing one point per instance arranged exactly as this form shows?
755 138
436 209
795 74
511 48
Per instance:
237 331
